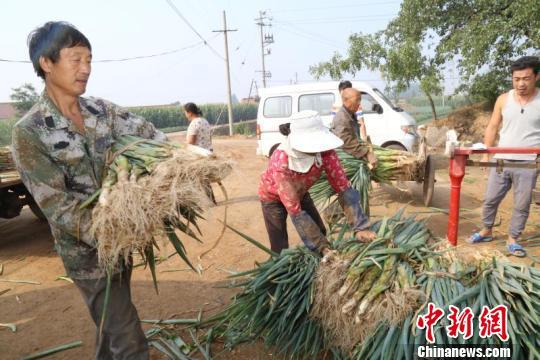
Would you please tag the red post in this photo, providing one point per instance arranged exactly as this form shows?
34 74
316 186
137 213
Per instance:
457 172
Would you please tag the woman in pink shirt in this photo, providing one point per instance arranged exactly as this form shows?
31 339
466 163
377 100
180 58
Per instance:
293 168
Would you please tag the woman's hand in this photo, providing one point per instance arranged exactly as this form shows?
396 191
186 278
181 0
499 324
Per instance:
365 236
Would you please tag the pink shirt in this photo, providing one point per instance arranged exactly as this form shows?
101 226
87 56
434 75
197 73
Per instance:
280 183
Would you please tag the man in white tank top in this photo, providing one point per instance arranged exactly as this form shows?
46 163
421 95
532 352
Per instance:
517 114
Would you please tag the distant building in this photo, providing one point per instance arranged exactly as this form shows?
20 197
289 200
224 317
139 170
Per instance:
250 100
7 110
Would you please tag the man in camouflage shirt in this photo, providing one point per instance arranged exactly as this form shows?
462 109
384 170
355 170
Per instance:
59 148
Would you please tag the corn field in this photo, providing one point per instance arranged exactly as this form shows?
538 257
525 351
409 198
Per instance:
171 117
216 114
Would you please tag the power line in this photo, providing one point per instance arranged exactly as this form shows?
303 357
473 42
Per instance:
353 79
317 36
308 37
15 61
335 6
128 58
175 9
151 56
247 51
314 81
377 17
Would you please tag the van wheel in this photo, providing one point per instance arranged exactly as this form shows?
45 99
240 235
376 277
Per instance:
272 149
396 147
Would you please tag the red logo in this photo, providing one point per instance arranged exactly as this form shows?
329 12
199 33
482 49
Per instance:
493 322
429 320
460 322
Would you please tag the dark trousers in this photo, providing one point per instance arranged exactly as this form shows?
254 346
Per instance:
123 337
275 220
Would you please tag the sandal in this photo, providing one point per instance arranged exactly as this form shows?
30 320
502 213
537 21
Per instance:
516 250
477 238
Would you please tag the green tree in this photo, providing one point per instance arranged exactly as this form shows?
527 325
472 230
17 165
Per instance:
24 96
396 53
482 36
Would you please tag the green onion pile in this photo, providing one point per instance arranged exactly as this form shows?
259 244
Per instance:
364 300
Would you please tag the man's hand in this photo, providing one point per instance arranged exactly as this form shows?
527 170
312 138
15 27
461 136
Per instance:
365 236
328 255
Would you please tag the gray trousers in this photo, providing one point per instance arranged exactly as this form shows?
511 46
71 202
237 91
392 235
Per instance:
122 336
523 181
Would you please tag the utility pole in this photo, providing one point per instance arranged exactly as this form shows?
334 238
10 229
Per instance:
266 40
250 89
229 96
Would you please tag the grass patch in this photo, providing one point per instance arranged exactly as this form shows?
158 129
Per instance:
244 128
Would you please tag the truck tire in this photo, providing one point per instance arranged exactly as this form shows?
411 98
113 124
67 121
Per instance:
37 211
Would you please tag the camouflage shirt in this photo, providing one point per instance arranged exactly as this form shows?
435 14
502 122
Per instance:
62 167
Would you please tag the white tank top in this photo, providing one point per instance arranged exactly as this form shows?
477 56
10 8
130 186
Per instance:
520 126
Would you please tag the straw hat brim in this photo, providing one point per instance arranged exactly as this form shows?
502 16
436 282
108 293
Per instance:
315 140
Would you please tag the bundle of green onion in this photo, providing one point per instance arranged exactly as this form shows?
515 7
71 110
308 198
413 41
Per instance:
150 189
363 302
392 165
275 304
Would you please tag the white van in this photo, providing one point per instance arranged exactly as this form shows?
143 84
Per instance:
387 125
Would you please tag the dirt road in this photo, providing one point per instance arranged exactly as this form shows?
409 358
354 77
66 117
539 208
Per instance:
52 313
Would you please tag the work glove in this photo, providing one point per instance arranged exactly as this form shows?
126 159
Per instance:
309 232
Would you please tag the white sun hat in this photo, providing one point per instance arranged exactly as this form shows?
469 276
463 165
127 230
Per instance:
309 135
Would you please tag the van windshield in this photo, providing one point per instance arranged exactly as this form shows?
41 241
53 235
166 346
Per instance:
387 100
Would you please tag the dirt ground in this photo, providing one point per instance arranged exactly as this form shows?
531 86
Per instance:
52 313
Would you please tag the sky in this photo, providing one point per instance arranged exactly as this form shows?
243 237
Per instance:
305 33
